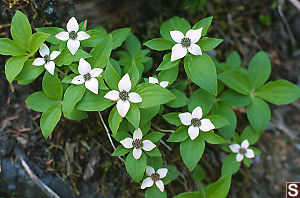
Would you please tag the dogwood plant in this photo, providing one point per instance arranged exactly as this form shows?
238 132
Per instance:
95 69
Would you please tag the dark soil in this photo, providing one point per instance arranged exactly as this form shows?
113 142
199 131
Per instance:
76 161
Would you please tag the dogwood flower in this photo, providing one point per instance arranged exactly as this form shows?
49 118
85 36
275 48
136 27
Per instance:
185 43
73 36
163 84
154 177
123 96
87 76
47 58
195 122
242 150
137 144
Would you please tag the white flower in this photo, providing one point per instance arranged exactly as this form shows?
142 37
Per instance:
154 177
47 59
184 44
123 96
195 122
163 84
87 76
242 150
137 144
72 36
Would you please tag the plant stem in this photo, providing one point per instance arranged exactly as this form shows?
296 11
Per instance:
108 134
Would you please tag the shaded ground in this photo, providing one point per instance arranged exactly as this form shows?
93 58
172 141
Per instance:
79 152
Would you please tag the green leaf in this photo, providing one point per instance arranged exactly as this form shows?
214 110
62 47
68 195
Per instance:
212 138
153 95
246 161
112 78
202 71
234 60
29 73
66 58
236 80
207 43
220 188
77 115
120 151
20 29
68 79
259 114
96 37
53 31
180 100
49 119
172 118
191 151
250 134
154 136
198 174
205 23
40 102
234 99
101 52
169 75
166 63
190 195
14 66
153 191
119 36
201 98
134 75
94 102
175 23
133 115
227 113
179 135
72 96
36 40
114 120
171 175
259 69
136 168
218 121
279 92
133 44
9 47
159 44
154 152
52 86
230 166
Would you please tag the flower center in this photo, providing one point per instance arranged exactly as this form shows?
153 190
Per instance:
196 122
123 95
46 58
155 176
137 143
73 35
242 151
87 77
186 42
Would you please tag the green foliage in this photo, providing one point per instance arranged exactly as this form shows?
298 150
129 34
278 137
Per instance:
220 89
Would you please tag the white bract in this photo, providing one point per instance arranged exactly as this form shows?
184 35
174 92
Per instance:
163 84
185 43
47 59
123 96
87 76
195 122
73 36
242 150
137 144
154 177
